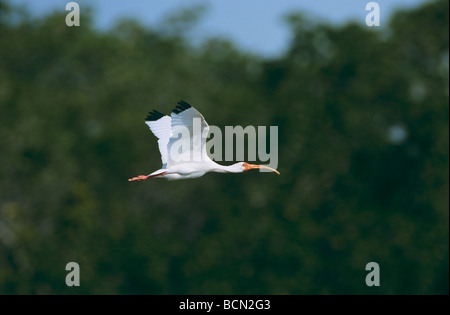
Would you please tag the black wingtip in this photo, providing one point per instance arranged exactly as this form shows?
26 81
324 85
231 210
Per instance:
181 107
154 115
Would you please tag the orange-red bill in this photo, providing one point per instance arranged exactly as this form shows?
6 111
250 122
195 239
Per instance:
253 166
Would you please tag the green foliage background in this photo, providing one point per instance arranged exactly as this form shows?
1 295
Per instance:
72 104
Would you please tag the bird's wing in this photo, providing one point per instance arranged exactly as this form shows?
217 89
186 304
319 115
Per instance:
187 142
161 127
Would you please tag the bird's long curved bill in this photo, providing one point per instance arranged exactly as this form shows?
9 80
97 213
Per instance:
253 166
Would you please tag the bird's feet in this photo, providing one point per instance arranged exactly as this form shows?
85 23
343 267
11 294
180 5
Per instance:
138 178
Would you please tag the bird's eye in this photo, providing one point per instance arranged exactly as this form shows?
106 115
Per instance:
245 165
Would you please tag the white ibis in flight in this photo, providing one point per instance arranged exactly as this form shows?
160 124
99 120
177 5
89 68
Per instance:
167 128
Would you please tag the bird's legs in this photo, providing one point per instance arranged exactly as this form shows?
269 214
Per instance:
140 177
144 177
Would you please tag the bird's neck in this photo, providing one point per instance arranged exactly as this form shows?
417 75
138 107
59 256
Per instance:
224 168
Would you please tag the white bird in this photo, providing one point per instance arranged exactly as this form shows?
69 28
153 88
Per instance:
167 128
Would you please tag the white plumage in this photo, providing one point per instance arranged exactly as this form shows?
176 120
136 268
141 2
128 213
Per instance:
185 157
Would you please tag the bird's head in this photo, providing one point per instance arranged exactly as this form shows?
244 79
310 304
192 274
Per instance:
244 166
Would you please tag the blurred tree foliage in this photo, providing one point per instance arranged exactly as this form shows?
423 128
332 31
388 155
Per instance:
363 119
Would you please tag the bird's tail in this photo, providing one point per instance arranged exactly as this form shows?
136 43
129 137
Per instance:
159 172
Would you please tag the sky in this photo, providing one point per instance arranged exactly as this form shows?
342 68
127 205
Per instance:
256 26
